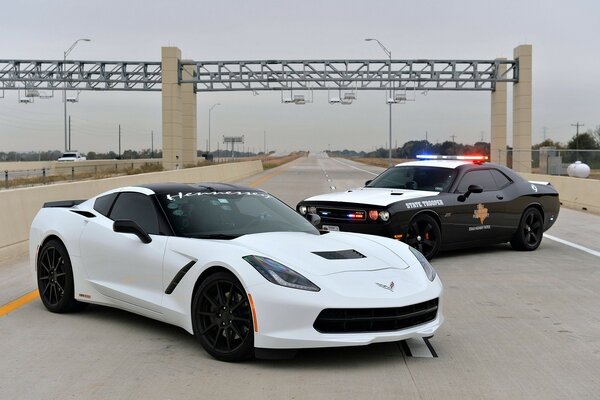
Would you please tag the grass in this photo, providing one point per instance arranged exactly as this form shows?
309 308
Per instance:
272 162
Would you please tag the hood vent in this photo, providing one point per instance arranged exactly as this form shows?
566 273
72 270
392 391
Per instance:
339 255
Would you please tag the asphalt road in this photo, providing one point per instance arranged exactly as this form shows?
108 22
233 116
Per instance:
518 326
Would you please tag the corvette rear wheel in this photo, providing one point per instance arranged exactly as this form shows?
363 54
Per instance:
424 235
222 318
530 232
55 278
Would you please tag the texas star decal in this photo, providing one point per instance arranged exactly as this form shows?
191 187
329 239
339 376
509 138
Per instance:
389 287
481 213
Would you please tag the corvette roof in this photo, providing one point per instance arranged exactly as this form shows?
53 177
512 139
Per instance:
173 187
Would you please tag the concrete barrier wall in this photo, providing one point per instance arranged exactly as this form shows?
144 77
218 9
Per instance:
576 193
18 207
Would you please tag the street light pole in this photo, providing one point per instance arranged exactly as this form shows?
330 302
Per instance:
65 54
389 100
209 111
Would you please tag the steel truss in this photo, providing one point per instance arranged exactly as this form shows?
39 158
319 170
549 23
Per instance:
80 75
211 76
349 74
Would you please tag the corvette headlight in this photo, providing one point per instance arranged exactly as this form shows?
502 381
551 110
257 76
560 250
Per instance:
279 274
429 271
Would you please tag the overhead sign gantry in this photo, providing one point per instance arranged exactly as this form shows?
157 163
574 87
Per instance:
179 81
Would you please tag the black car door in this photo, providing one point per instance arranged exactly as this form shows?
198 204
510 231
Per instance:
480 218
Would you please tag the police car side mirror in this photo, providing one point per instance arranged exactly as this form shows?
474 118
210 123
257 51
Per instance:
470 189
314 219
369 181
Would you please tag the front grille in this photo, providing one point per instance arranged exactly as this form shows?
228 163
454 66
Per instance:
341 214
353 320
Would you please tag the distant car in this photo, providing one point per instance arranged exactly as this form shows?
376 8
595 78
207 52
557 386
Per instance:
439 203
234 266
72 156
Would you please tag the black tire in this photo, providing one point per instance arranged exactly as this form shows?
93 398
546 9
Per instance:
530 231
222 318
424 234
55 278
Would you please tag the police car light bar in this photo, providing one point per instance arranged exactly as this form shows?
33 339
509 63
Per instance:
439 157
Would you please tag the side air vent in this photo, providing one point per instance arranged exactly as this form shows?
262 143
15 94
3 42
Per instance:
339 255
62 203
84 213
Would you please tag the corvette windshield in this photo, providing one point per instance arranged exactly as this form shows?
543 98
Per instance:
415 178
227 215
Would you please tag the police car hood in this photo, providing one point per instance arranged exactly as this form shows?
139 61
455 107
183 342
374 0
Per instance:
374 196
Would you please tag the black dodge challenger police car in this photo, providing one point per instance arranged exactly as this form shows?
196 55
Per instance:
441 203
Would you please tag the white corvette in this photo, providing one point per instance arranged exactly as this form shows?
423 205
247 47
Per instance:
234 266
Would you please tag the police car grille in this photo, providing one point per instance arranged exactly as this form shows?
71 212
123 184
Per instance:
342 214
353 320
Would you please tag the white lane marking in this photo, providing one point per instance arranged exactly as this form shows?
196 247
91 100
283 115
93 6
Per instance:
418 348
352 166
574 245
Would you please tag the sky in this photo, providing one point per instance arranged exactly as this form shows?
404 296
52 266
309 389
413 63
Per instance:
564 36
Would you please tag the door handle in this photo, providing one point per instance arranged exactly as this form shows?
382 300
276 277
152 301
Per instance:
499 196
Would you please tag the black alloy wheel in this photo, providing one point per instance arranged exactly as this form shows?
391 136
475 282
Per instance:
222 318
55 278
530 231
424 235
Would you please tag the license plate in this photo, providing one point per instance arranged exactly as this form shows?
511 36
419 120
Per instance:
330 228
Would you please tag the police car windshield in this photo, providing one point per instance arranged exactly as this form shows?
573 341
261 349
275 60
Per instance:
227 215
415 177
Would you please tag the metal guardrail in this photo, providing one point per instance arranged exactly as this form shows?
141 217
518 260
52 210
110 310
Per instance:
68 172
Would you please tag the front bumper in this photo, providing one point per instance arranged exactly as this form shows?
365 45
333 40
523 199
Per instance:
285 317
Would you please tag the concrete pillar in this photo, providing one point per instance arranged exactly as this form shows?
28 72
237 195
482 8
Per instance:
498 128
190 135
172 116
522 111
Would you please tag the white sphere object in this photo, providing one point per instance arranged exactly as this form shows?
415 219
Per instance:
578 170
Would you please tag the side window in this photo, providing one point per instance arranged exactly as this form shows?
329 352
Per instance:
103 204
136 207
481 178
501 180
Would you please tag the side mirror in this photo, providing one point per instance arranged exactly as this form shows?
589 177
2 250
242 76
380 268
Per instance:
470 189
128 226
314 219
369 181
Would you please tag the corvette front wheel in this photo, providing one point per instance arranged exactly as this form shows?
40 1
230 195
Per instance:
222 318
55 278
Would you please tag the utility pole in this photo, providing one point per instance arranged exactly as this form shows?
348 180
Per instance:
265 143
152 144
119 141
577 134
544 129
454 141
70 148
577 138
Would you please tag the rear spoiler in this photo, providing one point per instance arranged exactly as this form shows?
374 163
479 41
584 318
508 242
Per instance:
541 183
62 203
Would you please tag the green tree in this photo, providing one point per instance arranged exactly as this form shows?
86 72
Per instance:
583 141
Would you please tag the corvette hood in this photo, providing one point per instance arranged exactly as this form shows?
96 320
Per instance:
374 196
297 251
